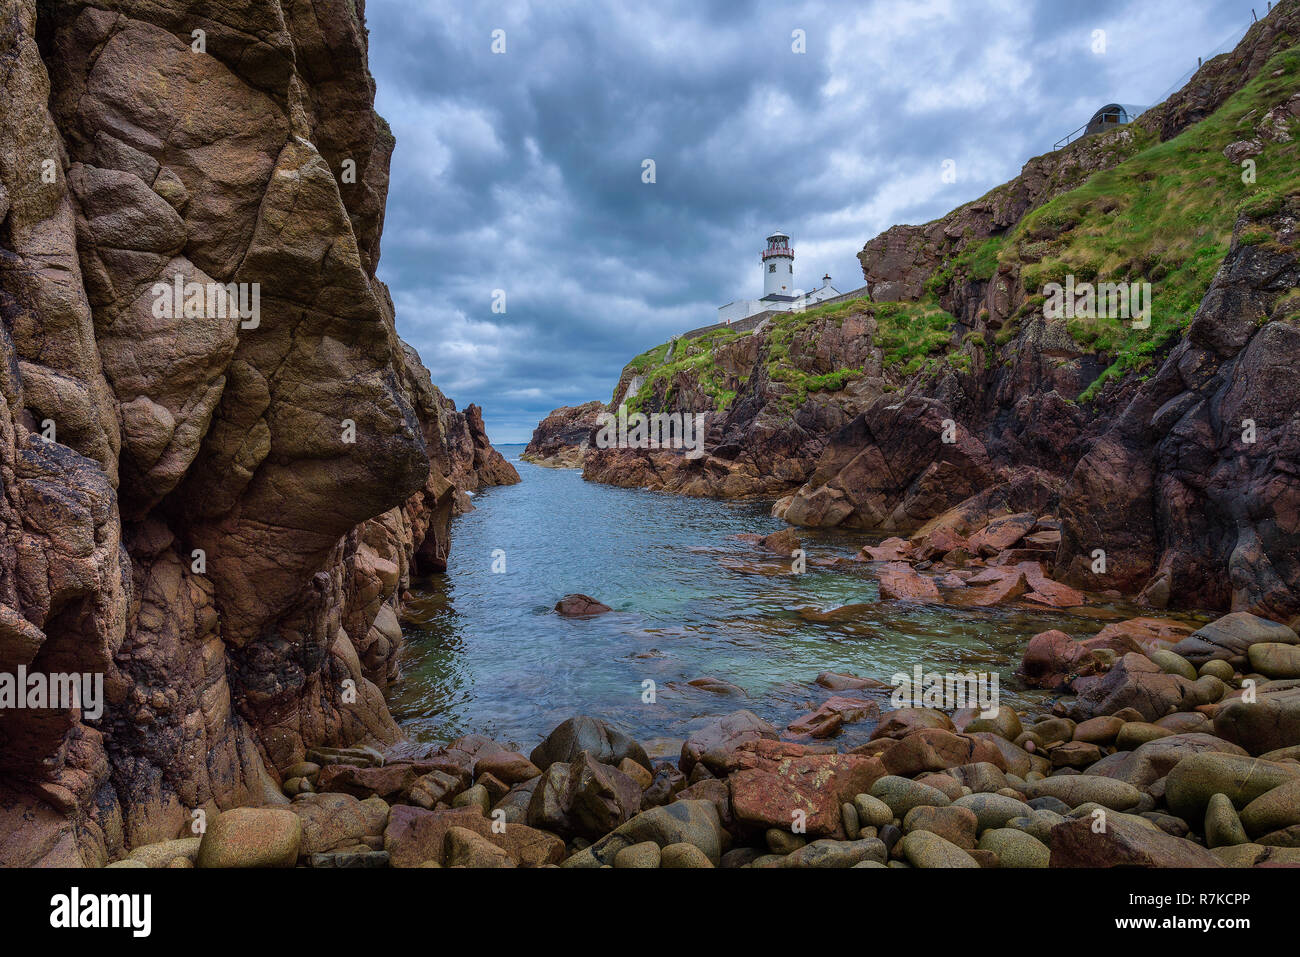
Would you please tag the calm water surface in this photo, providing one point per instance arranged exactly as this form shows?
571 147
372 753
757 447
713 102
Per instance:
486 653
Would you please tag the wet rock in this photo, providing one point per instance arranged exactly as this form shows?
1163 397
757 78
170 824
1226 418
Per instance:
899 582
784 542
845 682
580 606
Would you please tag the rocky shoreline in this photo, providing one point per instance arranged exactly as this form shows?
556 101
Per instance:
1170 750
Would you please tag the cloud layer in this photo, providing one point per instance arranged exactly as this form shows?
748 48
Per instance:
522 171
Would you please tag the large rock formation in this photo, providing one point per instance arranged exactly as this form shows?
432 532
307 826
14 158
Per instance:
215 510
562 438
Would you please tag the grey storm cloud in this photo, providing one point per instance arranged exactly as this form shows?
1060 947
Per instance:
521 171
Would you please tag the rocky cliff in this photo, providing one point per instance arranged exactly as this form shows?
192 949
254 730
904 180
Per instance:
215 508
1171 447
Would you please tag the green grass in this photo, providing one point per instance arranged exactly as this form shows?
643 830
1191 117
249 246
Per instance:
1164 216
696 357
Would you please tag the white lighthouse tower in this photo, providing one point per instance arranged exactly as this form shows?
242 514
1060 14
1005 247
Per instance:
779 292
778 267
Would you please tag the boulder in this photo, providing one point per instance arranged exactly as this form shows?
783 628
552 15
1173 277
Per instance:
1270 723
934 749
955 824
414 836
1274 810
1078 789
899 582
1015 848
682 822
466 848
1230 638
1274 659
1123 843
1136 682
902 795
926 850
580 606
1196 779
832 854
251 837
605 743
713 743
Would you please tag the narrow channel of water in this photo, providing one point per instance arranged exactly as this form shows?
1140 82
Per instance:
486 653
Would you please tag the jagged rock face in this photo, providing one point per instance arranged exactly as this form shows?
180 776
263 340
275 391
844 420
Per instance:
217 511
1197 476
562 438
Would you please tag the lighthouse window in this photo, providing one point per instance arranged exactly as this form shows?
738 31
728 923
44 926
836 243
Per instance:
772 268
791 268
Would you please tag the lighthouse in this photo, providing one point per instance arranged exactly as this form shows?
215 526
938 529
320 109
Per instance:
779 292
778 267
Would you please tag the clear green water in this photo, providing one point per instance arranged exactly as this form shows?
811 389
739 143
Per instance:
486 653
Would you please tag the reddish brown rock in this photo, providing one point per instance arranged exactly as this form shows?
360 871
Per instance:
414 836
1123 844
580 606
890 550
898 582
934 749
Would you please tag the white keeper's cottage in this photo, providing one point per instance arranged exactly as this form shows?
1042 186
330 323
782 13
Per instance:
779 292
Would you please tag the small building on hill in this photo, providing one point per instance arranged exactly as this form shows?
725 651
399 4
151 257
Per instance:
779 292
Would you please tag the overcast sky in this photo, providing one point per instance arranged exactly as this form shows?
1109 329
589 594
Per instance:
522 171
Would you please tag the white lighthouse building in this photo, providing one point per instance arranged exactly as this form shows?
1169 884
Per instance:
779 292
